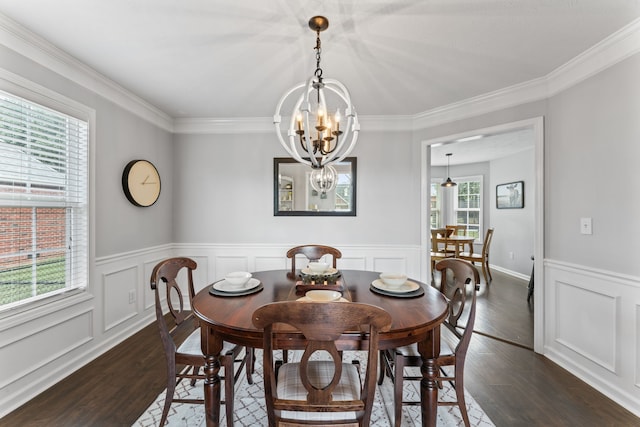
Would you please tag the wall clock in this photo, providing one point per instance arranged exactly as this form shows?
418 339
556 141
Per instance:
141 183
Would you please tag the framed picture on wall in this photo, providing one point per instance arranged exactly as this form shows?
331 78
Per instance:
510 195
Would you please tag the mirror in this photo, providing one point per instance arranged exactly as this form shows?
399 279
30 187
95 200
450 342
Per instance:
293 194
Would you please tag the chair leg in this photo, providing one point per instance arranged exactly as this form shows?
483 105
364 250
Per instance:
462 404
171 388
397 388
229 384
250 365
486 273
196 369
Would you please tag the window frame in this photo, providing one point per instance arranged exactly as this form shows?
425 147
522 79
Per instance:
16 86
480 209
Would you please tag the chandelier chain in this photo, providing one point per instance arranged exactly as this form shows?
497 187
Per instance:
318 49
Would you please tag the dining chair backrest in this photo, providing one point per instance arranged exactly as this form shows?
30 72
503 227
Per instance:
486 245
456 275
313 253
458 230
319 384
438 234
164 283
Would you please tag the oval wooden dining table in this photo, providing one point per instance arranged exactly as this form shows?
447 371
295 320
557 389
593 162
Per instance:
415 320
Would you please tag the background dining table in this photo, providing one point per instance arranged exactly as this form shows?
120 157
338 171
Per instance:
416 319
458 242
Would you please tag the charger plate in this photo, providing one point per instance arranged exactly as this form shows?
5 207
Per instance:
408 290
218 290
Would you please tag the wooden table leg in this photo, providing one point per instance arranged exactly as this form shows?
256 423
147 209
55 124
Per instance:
211 347
429 350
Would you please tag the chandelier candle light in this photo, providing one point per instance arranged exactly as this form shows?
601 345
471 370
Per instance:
313 137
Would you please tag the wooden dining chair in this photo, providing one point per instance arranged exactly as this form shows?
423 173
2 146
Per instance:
438 251
184 359
459 282
320 390
482 258
313 253
456 230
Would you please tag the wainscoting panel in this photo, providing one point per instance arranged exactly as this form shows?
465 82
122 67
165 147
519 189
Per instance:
149 299
390 264
592 331
120 292
52 339
592 328
636 324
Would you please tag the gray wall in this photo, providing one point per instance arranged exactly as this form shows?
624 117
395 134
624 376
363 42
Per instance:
514 228
592 149
120 136
224 194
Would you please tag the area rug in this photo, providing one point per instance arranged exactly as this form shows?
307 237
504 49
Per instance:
250 411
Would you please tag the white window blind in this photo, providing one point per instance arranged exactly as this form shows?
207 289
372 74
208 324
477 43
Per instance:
43 201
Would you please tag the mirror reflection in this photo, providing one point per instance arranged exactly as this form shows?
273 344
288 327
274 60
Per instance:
300 190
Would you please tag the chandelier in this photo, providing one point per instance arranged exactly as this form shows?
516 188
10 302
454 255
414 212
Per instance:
313 136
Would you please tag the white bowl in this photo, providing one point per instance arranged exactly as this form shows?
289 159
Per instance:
393 280
318 267
237 279
323 295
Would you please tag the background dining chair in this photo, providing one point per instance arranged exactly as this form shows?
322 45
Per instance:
483 257
185 359
320 391
456 230
438 249
456 276
313 253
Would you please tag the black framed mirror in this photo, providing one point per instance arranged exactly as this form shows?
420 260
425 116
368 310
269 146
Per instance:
294 195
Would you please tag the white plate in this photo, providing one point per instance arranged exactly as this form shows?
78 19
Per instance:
224 286
408 286
330 271
307 299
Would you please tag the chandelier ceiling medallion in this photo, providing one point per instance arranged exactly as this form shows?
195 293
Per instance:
313 137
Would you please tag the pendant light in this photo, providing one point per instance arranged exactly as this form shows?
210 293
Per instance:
448 182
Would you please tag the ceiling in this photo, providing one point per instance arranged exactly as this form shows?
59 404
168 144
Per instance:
222 59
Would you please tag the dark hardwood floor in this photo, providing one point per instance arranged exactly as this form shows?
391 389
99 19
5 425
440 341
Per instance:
514 386
503 312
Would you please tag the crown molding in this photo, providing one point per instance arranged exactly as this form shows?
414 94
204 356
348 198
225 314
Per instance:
610 51
615 48
17 38
231 125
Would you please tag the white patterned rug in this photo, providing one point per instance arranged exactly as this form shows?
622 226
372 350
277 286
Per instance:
250 411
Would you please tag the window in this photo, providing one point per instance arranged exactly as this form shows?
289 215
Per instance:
43 202
435 201
468 205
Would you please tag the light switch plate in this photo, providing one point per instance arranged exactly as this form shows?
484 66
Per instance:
585 226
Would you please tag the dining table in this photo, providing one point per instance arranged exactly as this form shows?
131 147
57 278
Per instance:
458 242
227 316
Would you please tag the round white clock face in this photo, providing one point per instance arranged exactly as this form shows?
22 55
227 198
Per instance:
141 183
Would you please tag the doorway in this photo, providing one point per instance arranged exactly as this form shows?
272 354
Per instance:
495 140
